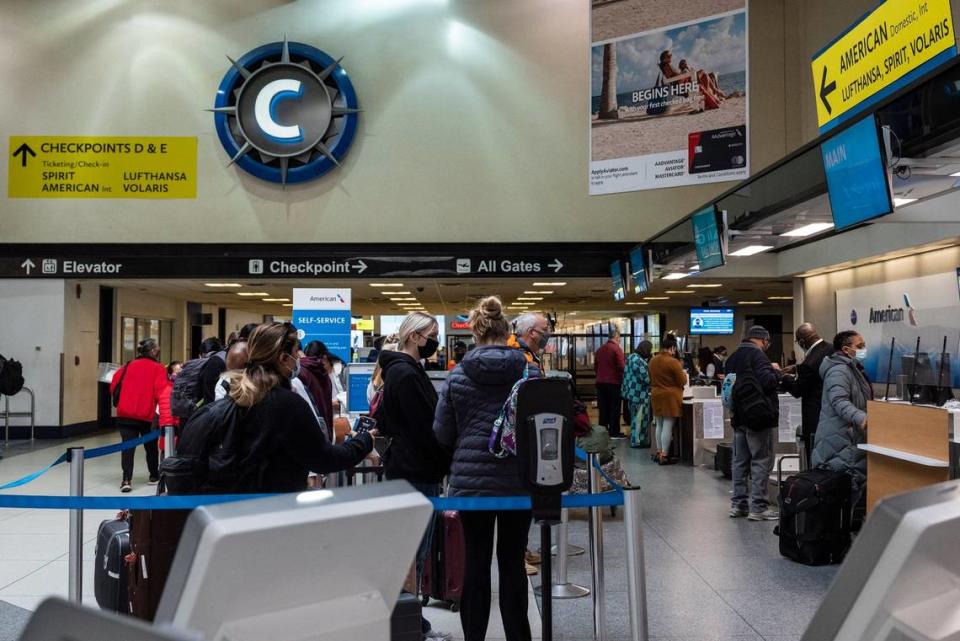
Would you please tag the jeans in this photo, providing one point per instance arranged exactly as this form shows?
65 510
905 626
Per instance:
609 406
512 528
423 552
665 432
753 454
129 430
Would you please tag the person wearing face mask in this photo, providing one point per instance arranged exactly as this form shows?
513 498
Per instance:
753 448
636 390
406 416
843 414
807 385
531 335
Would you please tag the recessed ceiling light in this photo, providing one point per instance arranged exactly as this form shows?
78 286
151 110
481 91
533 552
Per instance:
252 294
635 303
681 291
394 293
808 230
549 284
750 302
779 297
656 298
900 202
407 298
386 284
676 276
288 304
529 297
537 292
223 284
276 300
750 250
705 286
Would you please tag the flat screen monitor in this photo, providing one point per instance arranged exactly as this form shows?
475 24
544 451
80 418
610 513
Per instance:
856 171
325 565
638 270
707 239
358 377
616 276
717 321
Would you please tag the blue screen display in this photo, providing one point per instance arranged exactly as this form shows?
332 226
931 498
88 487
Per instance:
616 276
856 175
706 237
357 394
638 270
711 321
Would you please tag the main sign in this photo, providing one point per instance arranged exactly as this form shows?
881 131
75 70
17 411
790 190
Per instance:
286 112
886 50
324 315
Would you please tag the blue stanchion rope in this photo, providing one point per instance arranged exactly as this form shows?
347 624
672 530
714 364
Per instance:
582 455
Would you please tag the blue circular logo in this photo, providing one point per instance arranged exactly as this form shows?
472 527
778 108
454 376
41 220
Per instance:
853 317
286 112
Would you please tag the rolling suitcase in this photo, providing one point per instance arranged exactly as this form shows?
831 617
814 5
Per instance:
154 535
109 566
724 460
405 622
444 568
815 512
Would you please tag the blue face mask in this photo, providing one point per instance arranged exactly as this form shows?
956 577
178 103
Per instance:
861 355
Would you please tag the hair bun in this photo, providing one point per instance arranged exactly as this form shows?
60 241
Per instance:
492 308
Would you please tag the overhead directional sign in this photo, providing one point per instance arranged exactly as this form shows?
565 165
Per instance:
886 50
102 167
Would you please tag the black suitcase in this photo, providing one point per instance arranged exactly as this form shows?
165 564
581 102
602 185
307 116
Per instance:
723 462
109 567
815 513
405 622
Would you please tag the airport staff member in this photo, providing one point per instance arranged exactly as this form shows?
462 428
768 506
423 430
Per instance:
808 384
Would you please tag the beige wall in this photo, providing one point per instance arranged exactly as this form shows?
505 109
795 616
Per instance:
237 319
81 340
473 111
819 299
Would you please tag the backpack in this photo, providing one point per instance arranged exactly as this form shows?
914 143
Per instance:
751 405
726 391
503 436
187 394
209 454
11 376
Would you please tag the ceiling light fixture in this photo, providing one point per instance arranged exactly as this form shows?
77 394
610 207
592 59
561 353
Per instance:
635 303
394 293
529 297
711 285
223 284
779 297
900 202
534 291
409 298
750 302
675 276
276 300
386 284
252 294
807 230
750 250
288 304
549 284
656 298
681 291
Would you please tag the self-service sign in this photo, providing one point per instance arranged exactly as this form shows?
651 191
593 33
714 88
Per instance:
324 315
886 50
102 167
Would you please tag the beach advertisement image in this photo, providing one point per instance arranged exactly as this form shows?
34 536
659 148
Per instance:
669 106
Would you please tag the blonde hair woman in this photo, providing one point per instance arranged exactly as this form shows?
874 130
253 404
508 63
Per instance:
469 404
281 437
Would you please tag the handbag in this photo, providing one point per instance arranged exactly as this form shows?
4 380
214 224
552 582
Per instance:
116 390
503 436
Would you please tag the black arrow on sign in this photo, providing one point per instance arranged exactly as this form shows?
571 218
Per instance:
22 151
826 90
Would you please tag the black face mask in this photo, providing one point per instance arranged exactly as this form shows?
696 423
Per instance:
429 349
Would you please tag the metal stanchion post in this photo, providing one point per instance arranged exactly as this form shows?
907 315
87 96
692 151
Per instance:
596 552
75 545
562 588
168 442
572 550
636 573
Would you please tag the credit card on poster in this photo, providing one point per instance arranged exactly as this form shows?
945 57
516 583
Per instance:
717 150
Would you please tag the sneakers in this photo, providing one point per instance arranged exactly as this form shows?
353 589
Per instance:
125 487
531 557
437 635
766 515
738 512
153 480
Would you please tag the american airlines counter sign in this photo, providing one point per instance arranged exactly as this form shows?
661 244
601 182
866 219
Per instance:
286 112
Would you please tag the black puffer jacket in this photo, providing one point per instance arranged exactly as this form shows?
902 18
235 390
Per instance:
469 404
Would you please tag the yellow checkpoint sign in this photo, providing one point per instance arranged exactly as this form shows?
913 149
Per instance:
891 42
102 167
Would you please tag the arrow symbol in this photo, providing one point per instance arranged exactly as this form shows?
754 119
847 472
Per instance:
360 266
22 151
826 90
28 265
556 264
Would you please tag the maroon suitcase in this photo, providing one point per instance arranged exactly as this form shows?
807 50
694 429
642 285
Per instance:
445 565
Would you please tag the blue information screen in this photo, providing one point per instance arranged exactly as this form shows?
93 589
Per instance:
638 270
711 321
856 175
706 237
357 392
616 275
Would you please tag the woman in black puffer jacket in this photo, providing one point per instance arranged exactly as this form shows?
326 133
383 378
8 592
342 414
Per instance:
468 406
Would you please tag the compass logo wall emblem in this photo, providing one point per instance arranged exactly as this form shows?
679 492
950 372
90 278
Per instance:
286 112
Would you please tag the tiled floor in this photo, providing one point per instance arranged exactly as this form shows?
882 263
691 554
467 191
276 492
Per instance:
709 577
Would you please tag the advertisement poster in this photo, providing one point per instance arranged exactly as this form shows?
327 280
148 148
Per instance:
902 311
324 315
669 102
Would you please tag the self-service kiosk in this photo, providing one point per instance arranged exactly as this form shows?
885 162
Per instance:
545 449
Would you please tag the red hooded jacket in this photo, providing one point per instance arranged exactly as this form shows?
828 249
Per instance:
144 382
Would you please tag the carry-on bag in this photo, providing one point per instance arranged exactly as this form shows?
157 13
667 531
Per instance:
724 460
815 512
154 535
445 566
109 565
406 620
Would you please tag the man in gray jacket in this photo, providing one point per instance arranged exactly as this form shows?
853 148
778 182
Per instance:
843 414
